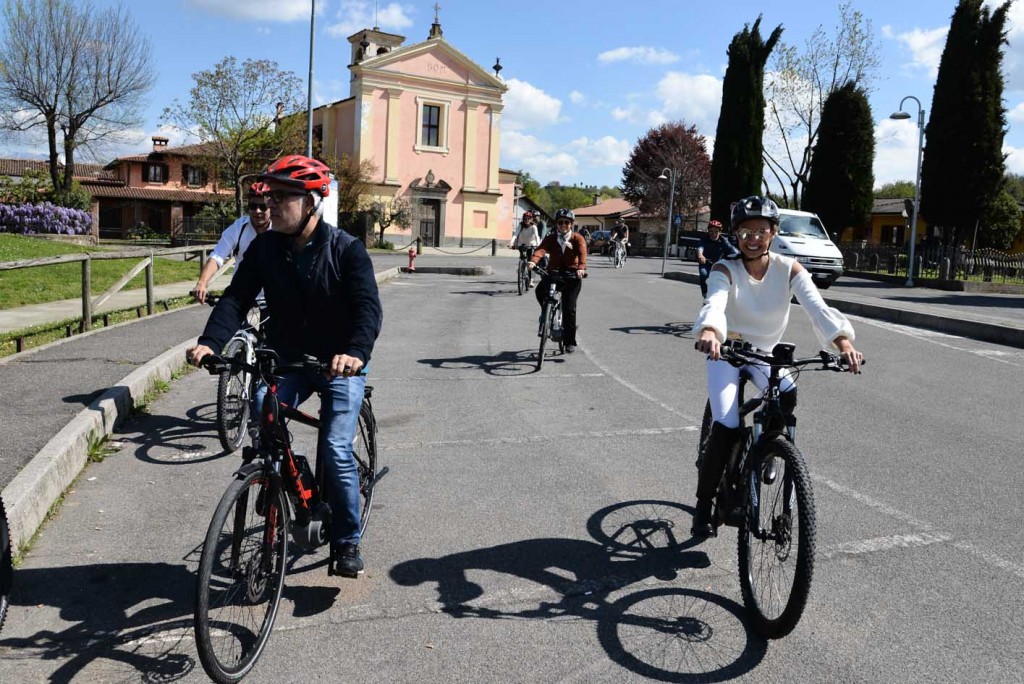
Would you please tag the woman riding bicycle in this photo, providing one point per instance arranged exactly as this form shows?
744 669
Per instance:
748 299
567 251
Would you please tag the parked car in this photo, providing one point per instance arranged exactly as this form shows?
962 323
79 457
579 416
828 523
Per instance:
803 237
598 242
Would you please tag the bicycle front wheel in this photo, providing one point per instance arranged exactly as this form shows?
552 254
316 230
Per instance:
241 576
556 324
522 277
6 565
233 396
777 539
365 452
545 330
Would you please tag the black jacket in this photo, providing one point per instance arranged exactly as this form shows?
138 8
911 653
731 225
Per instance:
336 310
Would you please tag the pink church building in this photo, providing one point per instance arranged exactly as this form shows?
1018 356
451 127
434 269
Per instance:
429 118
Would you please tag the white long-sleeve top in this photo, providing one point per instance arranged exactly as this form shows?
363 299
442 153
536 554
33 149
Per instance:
236 236
526 236
757 311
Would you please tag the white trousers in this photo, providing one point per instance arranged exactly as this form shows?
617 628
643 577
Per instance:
724 387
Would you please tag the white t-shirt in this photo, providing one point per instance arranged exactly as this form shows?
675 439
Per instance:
526 236
237 236
757 311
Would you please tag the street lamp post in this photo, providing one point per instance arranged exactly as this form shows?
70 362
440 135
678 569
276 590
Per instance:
917 182
309 85
671 178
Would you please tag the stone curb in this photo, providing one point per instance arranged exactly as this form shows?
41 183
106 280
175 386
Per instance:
30 494
452 270
995 333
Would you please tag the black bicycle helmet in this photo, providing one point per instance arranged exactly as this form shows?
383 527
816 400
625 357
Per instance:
565 214
754 207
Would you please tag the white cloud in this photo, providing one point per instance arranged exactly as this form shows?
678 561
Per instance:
544 161
620 114
529 107
263 10
576 97
1013 53
605 151
355 15
696 99
1014 159
925 46
639 55
1016 115
895 151
330 90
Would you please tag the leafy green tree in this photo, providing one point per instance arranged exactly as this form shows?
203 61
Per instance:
839 187
233 110
568 197
397 212
963 162
1001 222
798 86
896 190
79 73
1013 183
737 165
35 186
681 149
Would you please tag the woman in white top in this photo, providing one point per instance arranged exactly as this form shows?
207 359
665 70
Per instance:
748 298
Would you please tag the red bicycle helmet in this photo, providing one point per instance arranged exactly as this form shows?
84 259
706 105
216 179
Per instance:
301 172
715 223
258 189
527 214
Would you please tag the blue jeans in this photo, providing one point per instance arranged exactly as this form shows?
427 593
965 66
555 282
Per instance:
704 270
340 401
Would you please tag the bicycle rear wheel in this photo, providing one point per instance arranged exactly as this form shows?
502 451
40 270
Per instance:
233 396
365 452
522 277
777 539
545 330
6 565
241 576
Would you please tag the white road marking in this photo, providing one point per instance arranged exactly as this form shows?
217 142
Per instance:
1012 358
855 548
529 439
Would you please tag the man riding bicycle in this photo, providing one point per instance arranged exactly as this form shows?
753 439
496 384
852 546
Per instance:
237 237
323 301
712 248
566 251
619 235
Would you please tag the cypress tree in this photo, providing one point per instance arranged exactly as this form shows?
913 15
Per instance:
963 164
840 187
737 166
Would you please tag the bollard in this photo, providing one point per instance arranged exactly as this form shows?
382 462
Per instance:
419 245
412 260
944 269
494 247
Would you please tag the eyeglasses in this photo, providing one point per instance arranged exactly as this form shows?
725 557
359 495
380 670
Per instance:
257 207
563 223
278 196
747 233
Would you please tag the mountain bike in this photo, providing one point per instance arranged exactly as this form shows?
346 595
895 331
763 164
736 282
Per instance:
274 496
524 279
236 388
6 565
766 492
551 312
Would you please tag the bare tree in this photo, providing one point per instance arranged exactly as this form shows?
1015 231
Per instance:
796 90
71 68
234 110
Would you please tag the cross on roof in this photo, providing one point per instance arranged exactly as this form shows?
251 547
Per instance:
437 8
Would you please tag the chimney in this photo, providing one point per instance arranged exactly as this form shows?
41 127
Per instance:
597 198
159 143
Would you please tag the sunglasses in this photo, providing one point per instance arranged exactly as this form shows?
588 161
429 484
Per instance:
563 223
747 233
279 196
257 207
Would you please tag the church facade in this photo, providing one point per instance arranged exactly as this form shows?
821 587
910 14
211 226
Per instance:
429 119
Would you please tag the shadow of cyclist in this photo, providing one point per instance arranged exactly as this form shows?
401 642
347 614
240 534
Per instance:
684 330
175 440
504 364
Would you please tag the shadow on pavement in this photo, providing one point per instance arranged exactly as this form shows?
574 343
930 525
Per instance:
506 363
668 633
677 329
174 440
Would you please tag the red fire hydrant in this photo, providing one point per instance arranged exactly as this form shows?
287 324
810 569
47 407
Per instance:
412 260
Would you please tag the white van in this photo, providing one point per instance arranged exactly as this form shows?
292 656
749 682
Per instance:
803 237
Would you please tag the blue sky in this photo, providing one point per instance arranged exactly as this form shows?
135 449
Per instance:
586 78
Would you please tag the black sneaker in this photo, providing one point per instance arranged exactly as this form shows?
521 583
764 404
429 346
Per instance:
345 561
570 349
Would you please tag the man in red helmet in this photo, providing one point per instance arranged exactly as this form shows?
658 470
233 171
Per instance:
236 238
322 298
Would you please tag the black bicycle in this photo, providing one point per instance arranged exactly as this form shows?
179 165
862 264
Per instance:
551 311
6 565
524 279
766 492
274 495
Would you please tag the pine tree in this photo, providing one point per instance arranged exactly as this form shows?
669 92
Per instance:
963 163
737 166
839 189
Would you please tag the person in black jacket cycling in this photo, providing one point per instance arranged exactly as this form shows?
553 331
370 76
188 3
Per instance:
712 247
322 298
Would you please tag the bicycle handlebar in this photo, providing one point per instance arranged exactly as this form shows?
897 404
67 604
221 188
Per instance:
267 363
558 275
738 353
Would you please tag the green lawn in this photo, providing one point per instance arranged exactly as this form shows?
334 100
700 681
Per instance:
41 284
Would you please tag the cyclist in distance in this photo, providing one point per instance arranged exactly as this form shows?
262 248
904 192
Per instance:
526 238
566 251
713 247
620 233
322 299
748 299
236 238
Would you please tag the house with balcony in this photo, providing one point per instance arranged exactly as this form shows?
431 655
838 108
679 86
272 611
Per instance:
429 119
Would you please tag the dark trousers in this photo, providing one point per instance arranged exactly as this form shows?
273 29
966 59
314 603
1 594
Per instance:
704 270
570 292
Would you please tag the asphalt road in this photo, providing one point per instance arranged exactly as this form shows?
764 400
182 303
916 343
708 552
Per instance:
490 557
